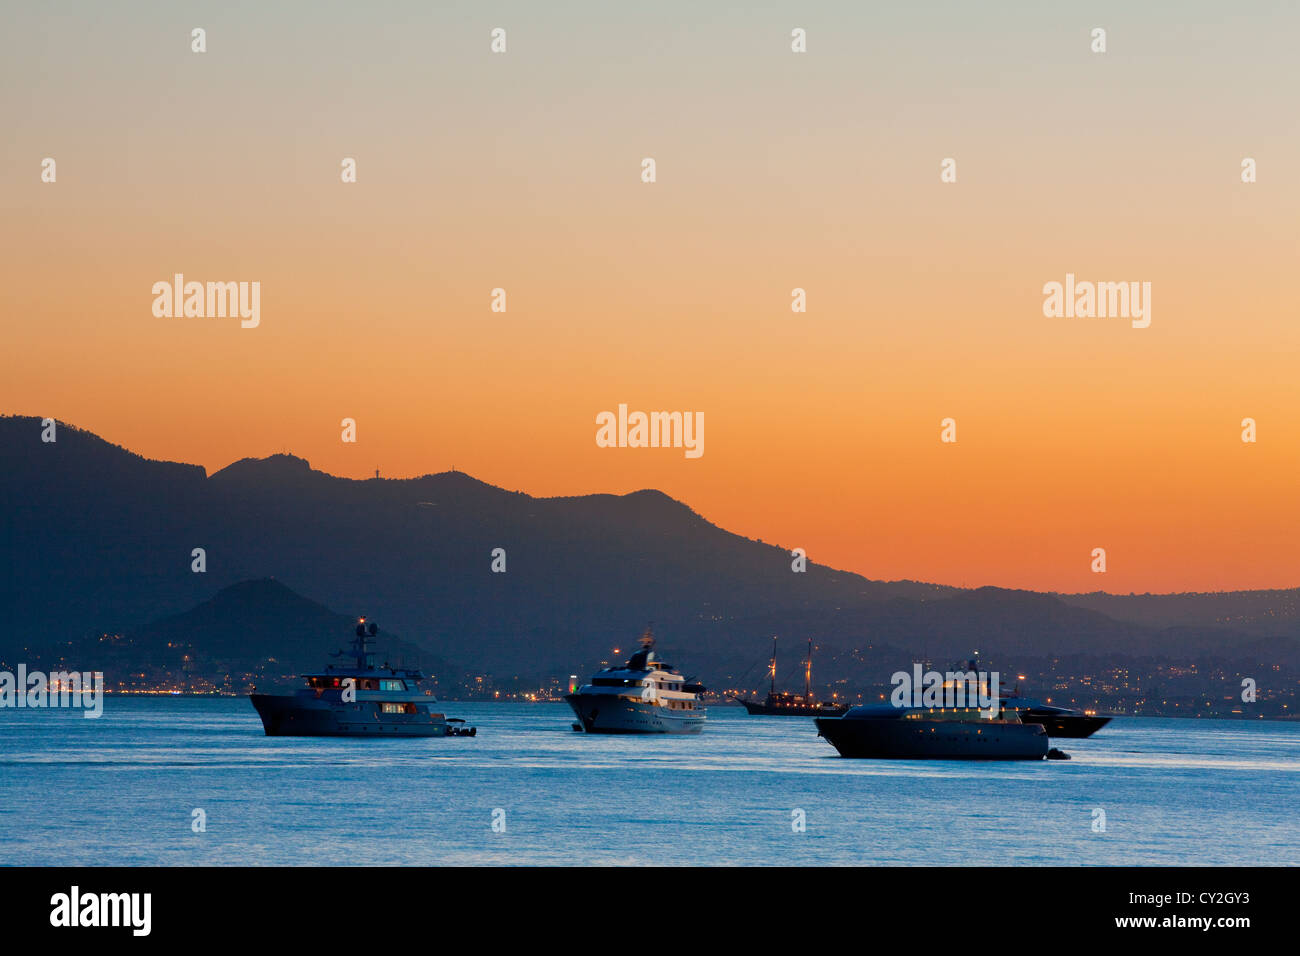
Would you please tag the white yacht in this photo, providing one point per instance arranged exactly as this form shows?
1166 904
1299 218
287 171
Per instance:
644 696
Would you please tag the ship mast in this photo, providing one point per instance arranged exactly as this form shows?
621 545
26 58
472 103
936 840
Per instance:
807 675
365 657
773 667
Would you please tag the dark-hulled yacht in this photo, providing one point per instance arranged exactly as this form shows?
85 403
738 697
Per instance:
923 733
358 701
1057 721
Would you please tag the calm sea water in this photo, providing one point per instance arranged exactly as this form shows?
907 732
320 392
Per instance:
121 790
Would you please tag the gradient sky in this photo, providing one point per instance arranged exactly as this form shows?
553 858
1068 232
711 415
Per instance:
775 170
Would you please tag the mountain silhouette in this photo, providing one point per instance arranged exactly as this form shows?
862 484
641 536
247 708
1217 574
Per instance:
97 539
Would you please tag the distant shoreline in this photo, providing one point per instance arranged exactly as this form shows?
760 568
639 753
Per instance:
728 704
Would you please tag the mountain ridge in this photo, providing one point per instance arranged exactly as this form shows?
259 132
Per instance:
102 539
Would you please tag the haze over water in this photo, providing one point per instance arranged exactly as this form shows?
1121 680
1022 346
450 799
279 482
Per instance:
121 790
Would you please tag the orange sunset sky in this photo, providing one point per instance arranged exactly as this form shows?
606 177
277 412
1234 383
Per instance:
775 170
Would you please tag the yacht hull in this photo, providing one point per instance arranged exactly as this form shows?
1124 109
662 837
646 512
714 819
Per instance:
886 738
769 709
286 715
602 714
1065 725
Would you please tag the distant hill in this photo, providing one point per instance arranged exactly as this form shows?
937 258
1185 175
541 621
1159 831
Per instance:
97 539
1264 612
259 628
1005 627
249 623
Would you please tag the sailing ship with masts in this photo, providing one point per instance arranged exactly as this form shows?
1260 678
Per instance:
785 704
